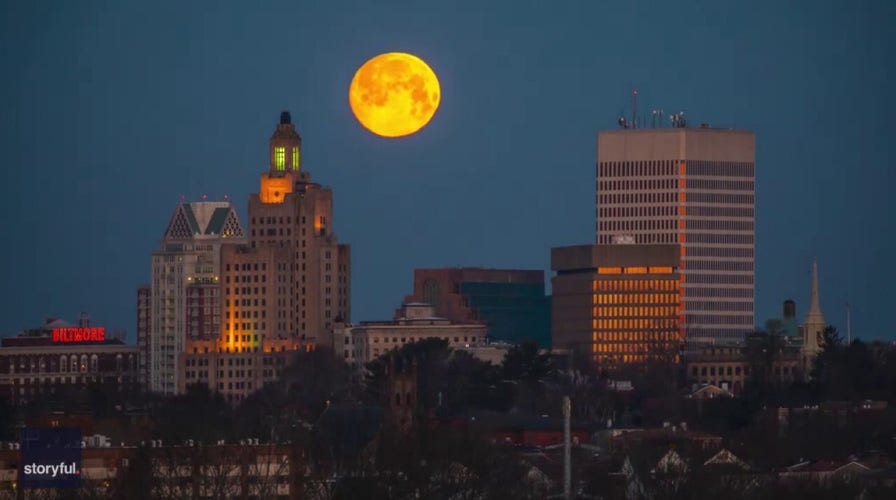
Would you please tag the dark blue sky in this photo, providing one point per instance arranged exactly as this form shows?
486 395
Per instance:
111 112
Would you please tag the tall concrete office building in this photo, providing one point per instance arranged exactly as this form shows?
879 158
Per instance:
186 267
693 187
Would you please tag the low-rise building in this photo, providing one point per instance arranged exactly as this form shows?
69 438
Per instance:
232 371
37 361
619 304
361 343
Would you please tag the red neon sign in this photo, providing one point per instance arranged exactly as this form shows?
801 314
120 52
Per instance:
80 334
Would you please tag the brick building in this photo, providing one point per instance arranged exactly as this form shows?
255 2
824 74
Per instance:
37 362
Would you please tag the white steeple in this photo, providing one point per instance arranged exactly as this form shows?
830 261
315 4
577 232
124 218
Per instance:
814 314
813 328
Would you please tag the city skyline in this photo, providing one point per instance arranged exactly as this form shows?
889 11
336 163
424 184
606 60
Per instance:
133 135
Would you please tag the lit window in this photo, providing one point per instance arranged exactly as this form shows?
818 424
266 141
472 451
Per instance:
280 158
295 158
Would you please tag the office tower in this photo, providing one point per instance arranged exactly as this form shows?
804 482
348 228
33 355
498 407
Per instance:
188 259
619 303
291 245
284 288
693 187
511 302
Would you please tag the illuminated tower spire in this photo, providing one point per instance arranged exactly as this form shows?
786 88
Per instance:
286 146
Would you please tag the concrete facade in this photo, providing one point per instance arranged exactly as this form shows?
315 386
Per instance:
188 255
693 187
359 344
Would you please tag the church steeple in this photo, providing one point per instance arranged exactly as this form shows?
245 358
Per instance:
814 314
286 146
813 328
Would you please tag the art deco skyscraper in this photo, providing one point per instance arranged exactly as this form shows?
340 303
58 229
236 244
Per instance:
284 288
693 187
184 293
291 245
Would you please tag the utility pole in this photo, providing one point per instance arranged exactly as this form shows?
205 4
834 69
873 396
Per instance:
567 459
848 326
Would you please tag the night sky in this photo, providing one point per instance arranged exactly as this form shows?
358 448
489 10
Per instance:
112 112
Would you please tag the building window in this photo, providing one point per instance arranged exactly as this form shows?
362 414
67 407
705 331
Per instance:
431 293
280 158
295 158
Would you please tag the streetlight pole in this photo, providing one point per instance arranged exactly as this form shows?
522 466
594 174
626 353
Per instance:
567 459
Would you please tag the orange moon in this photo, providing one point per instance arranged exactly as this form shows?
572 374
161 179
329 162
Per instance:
394 94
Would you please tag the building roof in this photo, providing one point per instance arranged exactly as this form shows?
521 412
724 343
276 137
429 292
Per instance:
204 218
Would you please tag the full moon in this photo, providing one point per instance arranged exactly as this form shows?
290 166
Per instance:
394 94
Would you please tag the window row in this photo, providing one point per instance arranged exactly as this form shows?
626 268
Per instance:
634 285
245 302
668 197
637 225
635 298
638 168
246 290
699 305
721 198
637 210
705 211
639 324
245 278
720 168
719 279
713 292
606 186
639 311
719 185
718 319
695 251
719 265
642 237
719 239
246 267
720 225
645 337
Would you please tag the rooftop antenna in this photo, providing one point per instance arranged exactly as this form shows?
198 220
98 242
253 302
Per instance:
634 108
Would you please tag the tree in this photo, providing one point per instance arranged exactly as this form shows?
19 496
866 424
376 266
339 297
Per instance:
199 414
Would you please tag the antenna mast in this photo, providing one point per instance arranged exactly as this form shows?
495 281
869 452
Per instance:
634 108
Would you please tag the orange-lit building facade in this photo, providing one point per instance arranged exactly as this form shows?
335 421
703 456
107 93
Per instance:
620 303
284 288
